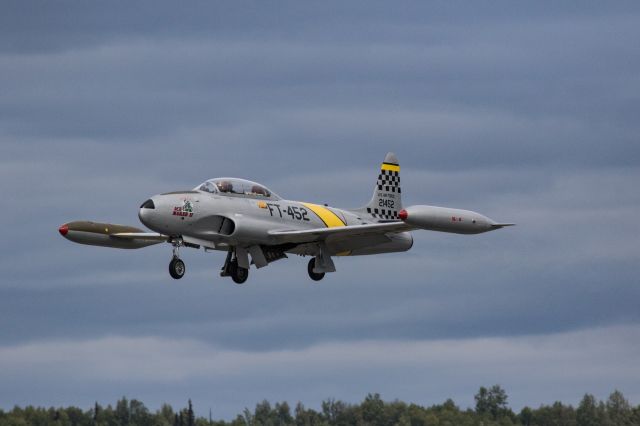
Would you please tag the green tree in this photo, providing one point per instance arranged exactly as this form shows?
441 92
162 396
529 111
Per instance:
332 410
636 415
418 416
526 416
555 415
619 410
122 412
239 421
263 415
139 414
96 412
563 415
165 415
372 409
248 417
106 416
587 413
491 402
191 418
77 417
283 414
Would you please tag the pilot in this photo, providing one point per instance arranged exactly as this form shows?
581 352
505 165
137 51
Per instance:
225 186
258 190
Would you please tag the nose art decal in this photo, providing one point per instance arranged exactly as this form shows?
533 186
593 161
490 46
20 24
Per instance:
185 210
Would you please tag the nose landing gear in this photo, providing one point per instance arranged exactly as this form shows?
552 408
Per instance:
176 266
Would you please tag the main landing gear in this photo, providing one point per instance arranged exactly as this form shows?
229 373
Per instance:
318 265
231 269
176 266
316 276
321 263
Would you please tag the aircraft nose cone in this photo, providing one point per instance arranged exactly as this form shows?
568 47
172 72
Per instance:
63 229
141 215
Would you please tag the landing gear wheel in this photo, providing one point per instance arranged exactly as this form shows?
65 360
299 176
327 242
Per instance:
177 268
314 275
238 274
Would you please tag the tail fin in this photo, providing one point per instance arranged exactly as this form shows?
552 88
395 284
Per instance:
386 201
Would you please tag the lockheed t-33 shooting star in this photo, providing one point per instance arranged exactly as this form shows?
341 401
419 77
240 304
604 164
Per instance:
254 225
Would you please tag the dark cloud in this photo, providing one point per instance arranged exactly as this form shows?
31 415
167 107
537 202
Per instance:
527 115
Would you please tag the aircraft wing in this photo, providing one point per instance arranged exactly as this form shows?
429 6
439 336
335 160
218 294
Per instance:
319 234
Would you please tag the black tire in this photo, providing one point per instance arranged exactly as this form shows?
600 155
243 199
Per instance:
177 268
314 275
238 274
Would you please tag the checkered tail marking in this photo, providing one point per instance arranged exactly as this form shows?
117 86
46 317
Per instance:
386 202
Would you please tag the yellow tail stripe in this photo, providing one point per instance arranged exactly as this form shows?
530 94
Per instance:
391 167
327 216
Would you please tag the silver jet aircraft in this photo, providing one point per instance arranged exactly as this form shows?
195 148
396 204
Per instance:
256 226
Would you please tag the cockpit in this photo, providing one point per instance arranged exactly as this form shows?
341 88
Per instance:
236 187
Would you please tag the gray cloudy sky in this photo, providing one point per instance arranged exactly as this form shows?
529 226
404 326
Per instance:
525 112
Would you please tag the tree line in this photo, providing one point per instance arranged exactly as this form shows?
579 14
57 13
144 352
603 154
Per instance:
491 409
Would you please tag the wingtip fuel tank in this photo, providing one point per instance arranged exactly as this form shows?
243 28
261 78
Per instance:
444 219
104 235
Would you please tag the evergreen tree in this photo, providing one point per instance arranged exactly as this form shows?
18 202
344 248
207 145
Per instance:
191 418
122 412
587 412
619 410
263 415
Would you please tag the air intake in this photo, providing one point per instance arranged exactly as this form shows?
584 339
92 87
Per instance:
148 204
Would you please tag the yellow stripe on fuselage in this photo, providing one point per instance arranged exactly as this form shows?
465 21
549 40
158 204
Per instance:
391 167
329 218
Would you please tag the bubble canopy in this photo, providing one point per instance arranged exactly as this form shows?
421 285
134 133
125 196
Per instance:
236 187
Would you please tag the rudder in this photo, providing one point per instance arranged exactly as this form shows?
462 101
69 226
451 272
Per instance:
387 200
